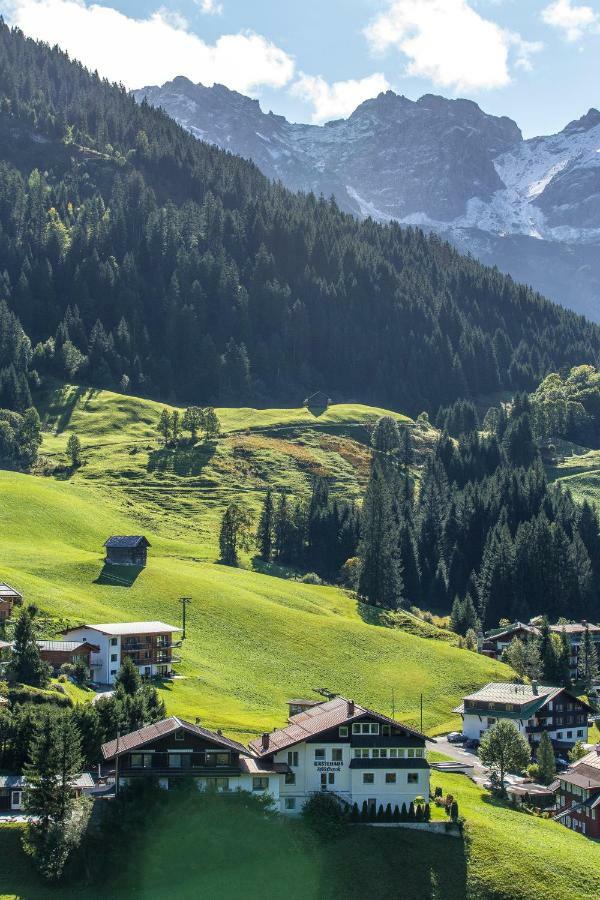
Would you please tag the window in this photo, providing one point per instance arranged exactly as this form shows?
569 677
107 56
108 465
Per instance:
320 755
175 760
365 728
413 777
113 642
368 778
113 671
336 754
411 753
221 784
289 803
386 730
380 753
580 733
361 753
420 753
15 799
217 758
390 778
179 736
141 760
569 734
331 777
260 784
559 735
290 778
343 731
113 657
292 757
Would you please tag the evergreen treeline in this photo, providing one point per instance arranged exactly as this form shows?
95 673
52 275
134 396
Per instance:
484 527
318 536
145 259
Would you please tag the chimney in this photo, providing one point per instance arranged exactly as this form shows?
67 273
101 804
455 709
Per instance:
265 741
534 686
350 707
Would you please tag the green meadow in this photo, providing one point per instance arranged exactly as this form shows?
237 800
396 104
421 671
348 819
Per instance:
253 638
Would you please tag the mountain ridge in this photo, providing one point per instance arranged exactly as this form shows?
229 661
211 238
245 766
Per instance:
442 164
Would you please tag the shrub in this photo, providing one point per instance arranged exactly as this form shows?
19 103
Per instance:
533 770
438 792
380 813
411 812
324 814
372 813
311 578
427 813
25 694
419 800
354 814
396 814
419 813
388 813
364 813
454 811
403 813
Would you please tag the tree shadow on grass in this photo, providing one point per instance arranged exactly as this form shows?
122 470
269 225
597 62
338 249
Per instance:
119 576
182 460
401 863
68 407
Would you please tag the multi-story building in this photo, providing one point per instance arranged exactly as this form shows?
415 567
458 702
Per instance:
353 752
149 644
577 793
9 598
173 749
532 707
495 642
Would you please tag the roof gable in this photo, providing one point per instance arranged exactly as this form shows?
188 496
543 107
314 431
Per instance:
137 739
320 718
128 542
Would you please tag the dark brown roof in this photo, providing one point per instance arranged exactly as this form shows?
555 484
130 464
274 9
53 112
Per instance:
251 766
135 739
582 776
321 718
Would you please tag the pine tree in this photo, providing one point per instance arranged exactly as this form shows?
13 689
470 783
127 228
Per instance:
380 578
26 666
545 759
266 528
128 677
587 664
164 425
74 450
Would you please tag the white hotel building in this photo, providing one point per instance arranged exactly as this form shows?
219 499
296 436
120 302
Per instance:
346 749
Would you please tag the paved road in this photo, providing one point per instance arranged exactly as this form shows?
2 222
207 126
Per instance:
479 773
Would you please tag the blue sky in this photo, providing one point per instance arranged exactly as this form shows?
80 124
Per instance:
537 61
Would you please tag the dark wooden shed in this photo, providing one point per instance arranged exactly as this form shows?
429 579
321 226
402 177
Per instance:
127 550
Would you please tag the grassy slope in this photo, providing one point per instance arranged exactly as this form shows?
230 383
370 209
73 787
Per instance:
253 639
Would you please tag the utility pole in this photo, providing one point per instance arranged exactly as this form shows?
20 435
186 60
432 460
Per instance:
117 766
184 602
421 713
393 704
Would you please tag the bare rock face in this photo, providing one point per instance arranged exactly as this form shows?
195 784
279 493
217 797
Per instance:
532 207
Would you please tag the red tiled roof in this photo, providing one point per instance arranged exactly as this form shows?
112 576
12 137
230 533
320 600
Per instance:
135 739
321 718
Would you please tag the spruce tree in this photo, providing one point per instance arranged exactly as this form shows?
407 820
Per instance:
164 425
380 577
266 528
128 677
587 664
26 666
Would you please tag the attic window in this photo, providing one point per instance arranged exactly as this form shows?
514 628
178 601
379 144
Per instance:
179 736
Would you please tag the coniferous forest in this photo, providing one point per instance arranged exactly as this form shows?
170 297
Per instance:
138 258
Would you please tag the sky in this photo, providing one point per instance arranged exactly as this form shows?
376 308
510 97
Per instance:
537 61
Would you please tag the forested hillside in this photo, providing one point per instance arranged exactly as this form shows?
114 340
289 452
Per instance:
135 256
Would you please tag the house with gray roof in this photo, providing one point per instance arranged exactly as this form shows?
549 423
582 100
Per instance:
533 708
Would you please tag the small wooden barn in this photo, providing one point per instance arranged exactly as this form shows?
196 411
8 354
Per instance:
319 400
127 550
9 598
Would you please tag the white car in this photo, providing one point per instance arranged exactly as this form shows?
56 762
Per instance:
455 737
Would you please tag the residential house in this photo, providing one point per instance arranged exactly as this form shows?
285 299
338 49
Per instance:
127 550
577 794
14 787
57 653
533 708
173 749
350 751
495 642
149 644
9 598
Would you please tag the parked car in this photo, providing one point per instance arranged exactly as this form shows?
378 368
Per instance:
471 744
455 737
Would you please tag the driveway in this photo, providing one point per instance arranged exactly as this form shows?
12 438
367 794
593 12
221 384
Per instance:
479 773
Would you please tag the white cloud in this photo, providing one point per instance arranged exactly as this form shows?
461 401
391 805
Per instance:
572 19
211 7
449 43
138 52
340 99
